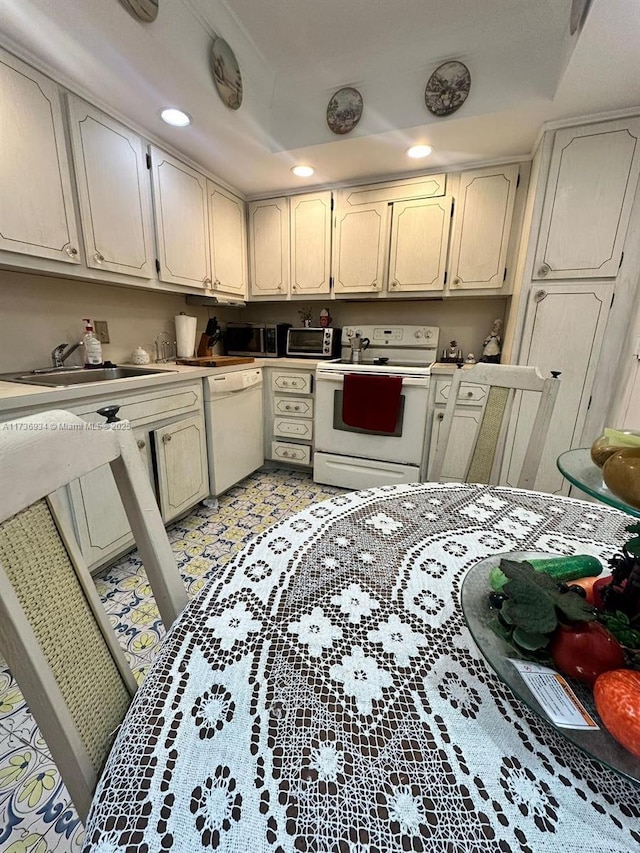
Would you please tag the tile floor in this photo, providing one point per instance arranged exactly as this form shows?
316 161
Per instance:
36 815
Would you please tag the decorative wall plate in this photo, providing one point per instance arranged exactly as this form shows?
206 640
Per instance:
226 74
344 110
447 88
143 10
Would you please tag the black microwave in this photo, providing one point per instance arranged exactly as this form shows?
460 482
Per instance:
261 340
314 343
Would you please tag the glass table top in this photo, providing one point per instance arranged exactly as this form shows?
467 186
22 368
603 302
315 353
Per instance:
497 651
577 467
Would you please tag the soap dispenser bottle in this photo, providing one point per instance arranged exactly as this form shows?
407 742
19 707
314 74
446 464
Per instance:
92 346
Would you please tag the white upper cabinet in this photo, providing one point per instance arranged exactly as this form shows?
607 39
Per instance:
228 239
392 236
592 182
310 221
182 221
361 247
113 190
269 247
36 205
481 228
419 244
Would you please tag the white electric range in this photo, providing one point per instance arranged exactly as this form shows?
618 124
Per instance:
359 458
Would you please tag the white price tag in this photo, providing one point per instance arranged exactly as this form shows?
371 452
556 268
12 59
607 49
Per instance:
555 696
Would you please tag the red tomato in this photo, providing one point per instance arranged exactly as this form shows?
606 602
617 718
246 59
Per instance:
617 698
584 650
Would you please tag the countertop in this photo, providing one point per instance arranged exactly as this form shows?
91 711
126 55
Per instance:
16 397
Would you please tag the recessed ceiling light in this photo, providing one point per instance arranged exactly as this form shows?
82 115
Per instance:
303 171
175 117
418 151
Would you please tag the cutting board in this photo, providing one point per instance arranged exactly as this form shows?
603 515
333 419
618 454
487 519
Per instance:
215 360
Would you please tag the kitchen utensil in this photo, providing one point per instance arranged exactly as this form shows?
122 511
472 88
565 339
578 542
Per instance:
358 344
209 338
140 356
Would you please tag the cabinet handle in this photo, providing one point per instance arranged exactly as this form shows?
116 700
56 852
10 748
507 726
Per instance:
374 284
456 282
539 295
279 287
166 437
206 281
296 408
440 416
295 286
71 251
545 269
141 444
395 283
99 257
216 283
469 393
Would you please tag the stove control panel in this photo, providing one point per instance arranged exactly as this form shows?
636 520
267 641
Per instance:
397 336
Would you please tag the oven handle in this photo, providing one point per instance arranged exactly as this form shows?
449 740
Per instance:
407 381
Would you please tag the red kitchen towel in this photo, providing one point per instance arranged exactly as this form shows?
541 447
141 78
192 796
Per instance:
371 402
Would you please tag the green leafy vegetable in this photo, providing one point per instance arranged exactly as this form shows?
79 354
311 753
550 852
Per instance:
534 599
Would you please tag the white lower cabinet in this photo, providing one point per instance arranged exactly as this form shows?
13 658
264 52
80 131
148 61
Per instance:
466 421
170 433
181 456
289 405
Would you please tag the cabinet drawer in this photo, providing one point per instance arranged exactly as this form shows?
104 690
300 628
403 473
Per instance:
147 407
470 394
290 383
293 428
293 407
300 453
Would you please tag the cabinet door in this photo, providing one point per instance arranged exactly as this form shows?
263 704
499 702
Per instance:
419 244
590 190
183 474
37 215
481 228
228 240
269 247
361 247
310 217
563 331
461 441
182 222
113 189
101 523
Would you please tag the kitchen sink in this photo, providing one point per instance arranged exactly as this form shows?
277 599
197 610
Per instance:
64 376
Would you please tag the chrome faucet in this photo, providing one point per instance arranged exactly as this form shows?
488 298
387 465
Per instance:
60 353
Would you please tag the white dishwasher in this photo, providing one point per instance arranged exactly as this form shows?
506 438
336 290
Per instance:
233 412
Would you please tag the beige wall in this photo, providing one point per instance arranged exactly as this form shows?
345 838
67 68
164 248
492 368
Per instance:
467 321
38 312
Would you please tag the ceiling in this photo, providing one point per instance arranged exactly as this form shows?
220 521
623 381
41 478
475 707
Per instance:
526 69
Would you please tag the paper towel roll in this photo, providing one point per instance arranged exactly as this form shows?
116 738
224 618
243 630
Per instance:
185 335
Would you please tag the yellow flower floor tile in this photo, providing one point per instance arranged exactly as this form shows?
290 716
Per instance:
36 814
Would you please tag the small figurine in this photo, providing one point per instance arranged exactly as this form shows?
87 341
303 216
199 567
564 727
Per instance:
492 346
452 352
470 359
325 318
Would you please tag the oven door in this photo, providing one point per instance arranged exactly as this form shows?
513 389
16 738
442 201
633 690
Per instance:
245 340
305 342
406 445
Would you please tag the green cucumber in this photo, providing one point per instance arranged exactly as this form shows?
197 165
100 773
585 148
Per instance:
562 569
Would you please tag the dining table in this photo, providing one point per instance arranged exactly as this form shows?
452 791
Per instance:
323 693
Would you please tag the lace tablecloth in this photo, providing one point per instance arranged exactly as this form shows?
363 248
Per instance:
324 694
